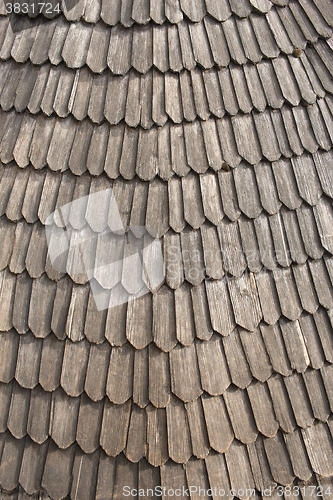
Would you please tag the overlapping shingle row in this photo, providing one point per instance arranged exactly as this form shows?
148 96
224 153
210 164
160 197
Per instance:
191 95
199 145
169 47
141 12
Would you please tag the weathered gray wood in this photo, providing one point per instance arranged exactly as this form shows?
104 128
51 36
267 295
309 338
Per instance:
118 90
239 469
270 84
221 10
12 453
159 377
164 327
234 42
33 461
147 154
185 330
157 437
260 468
280 240
160 47
115 427
276 349
267 188
297 452
239 409
106 475
214 93
309 231
139 321
251 50
254 349
174 272
97 98
212 144
178 151
157 220
262 407
28 360
279 460
94 327
82 94
221 315
282 407
237 363
7 235
140 379
265 241
296 131
179 441
16 197
218 474
201 313
192 255
312 339
215 378
74 366
120 205
176 208
157 11
245 301
294 237
184 366
119 384
187 96
51 363
9 344
140 11
228 195
193 209
120 50
299 400
231 247
250 244
322 283
195 147
198 429
317 395
228 92
63 422
40 311
241 89
88 426
136 447
267 136
246 138
279 32
142 49
61 460
78 36
110 13
294 340
305 288
85 473
212 252
220 433
317 441
247 191
37 251
97 369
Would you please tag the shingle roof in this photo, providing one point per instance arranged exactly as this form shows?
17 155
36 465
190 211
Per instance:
212 124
